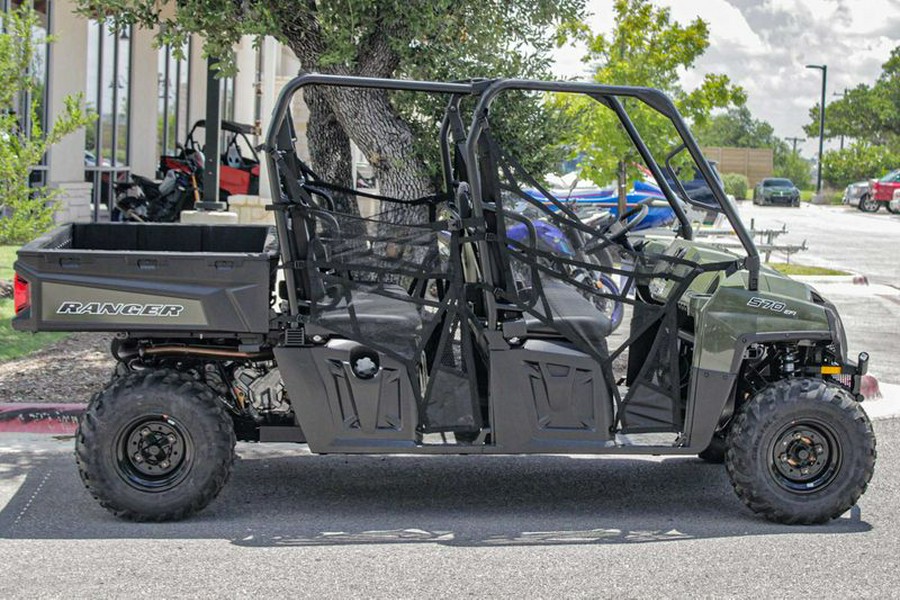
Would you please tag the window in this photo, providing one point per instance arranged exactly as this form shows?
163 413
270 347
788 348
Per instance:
108 93
38 73
890 177
174 97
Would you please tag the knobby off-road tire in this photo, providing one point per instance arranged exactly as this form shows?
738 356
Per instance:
155 446
801 451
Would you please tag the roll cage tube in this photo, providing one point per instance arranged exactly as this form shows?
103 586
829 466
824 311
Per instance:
607 95
279 143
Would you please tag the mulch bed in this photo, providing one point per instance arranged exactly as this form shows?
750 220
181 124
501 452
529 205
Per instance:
70 370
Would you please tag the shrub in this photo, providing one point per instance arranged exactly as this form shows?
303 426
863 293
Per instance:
736 184
858 162
26 211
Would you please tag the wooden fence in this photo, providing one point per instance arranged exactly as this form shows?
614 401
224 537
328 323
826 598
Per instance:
754 163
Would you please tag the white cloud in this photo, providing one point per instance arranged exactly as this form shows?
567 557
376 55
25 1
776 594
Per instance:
764 47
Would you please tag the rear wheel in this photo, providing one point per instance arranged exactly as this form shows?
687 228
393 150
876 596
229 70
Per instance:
801 451
155 446
894 207
868 204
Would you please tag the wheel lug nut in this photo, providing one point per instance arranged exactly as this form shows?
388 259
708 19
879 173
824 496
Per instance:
138 457
145 432
804 471
171 439
164 464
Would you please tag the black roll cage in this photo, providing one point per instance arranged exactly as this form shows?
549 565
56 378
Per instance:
279 145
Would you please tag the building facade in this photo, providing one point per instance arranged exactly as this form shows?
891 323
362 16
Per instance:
146 98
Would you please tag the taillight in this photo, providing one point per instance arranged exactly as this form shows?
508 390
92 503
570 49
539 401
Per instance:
21 294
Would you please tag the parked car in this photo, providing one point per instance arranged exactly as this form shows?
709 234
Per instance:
854 192
882 192
776 190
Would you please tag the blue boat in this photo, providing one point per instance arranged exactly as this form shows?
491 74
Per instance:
592 200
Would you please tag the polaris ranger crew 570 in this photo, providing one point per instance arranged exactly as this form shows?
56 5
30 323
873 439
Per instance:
410 323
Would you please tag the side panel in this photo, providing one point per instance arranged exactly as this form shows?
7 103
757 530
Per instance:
340 412
733 311
548 397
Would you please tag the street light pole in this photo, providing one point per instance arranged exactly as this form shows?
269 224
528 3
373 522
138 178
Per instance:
824 69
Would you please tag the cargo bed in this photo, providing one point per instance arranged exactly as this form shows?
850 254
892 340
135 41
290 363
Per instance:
167 278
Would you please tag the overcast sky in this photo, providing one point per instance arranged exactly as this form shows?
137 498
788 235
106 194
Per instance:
763 46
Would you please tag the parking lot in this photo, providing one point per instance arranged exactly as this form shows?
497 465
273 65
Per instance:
293 524
289 523
846 239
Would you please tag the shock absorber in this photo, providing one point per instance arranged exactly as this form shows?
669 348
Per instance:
789 361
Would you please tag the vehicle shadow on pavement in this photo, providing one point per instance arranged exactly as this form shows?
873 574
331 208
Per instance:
282 500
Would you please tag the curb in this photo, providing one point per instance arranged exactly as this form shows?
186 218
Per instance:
854 279
51 419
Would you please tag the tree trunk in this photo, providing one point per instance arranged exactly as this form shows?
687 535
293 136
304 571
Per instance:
366 116
387 142
329 148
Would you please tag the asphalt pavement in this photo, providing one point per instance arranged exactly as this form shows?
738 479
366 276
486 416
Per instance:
839 237
292 524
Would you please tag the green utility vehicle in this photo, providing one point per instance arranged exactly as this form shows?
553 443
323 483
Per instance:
415 324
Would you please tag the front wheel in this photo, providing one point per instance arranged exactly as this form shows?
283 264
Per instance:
801 451
868 204
894 207
155 445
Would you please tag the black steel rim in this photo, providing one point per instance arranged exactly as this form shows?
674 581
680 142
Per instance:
805 457
154 453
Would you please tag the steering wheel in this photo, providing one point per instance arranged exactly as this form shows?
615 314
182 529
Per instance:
618 229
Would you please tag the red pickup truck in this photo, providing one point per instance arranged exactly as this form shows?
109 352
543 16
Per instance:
881 191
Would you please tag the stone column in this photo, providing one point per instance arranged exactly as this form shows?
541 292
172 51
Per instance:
270 50
66 75
142 128
197 71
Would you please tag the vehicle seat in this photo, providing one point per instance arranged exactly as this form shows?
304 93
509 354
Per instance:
374 317
570 312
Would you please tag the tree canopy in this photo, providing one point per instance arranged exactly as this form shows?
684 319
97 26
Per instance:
735 128
645 48
27 210
867 113
428 39
738 128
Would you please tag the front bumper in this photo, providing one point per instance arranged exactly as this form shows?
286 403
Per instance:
784 200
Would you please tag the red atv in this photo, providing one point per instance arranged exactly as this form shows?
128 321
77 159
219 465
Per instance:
239 170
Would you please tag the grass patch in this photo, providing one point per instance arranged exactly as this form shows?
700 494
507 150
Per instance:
831 197
14 344
7 258
795 269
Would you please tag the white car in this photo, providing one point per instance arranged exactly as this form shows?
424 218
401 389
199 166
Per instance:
855 191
